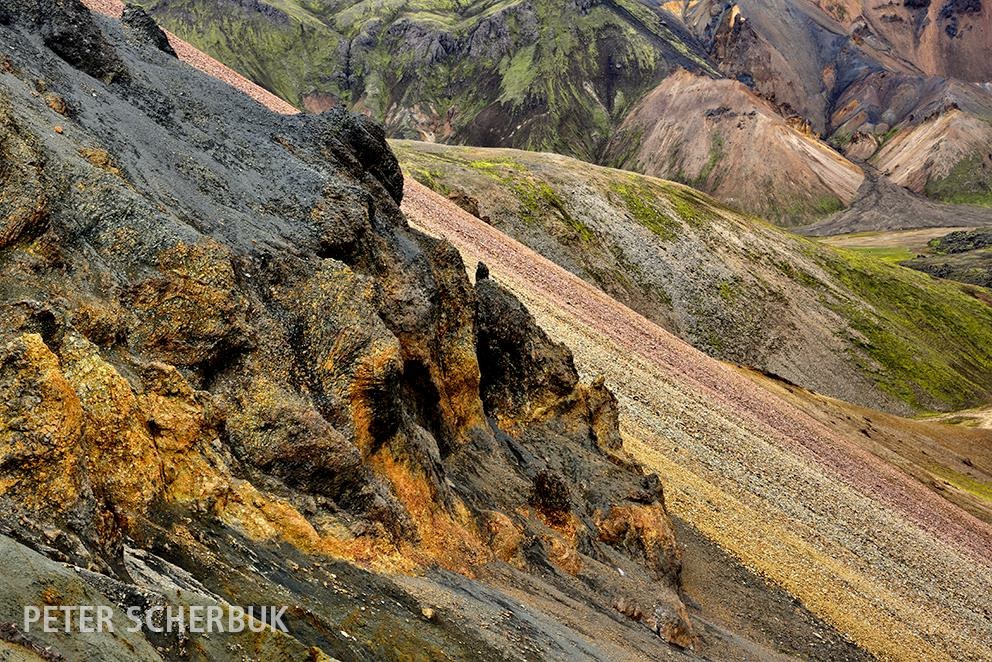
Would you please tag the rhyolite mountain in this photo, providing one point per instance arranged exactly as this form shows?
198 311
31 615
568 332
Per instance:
733 98
901 84
535 75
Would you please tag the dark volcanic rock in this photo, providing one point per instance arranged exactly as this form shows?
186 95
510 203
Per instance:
67 28
522 368
225 359
142 28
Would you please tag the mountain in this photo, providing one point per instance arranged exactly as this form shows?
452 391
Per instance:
535 74
596 86
899 84
946 38
733 98
720 137
233 373
733 286
882 205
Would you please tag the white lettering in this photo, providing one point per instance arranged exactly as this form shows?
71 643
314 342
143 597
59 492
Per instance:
134 615
214 615
104 619
175 621
277 623
236 619
31 615
48 621
196 616
86 613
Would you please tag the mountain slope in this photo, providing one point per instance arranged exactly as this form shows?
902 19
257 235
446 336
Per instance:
739 289
877 81
881 205
530 74
517 74
902 84
858 541
718 136
948 38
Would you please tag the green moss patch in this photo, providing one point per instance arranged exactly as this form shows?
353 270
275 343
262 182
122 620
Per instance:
925 342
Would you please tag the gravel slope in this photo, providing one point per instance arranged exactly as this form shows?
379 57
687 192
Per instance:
901 571
864 546
196 58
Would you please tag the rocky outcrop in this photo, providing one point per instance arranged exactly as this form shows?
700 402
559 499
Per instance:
142 28
963 256
225 356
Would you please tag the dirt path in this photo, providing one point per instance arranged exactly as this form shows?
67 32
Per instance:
864 546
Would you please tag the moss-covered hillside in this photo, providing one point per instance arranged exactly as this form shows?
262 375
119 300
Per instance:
534 74
841 322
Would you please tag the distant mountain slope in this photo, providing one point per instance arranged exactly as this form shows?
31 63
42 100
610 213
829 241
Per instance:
718 136
740 289
949 38
534 74
948 157
903 84
881 205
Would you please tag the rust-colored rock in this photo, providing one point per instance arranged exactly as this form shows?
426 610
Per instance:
644 531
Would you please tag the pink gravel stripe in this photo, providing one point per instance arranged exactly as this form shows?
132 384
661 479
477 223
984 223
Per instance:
764 412
200 60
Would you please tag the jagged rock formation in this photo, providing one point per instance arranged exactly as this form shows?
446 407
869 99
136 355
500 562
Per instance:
140 26
224 357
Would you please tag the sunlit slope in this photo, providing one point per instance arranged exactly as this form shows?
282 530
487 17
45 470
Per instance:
841 322
864 545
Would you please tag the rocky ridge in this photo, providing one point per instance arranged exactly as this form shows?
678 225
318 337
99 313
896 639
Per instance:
227 364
